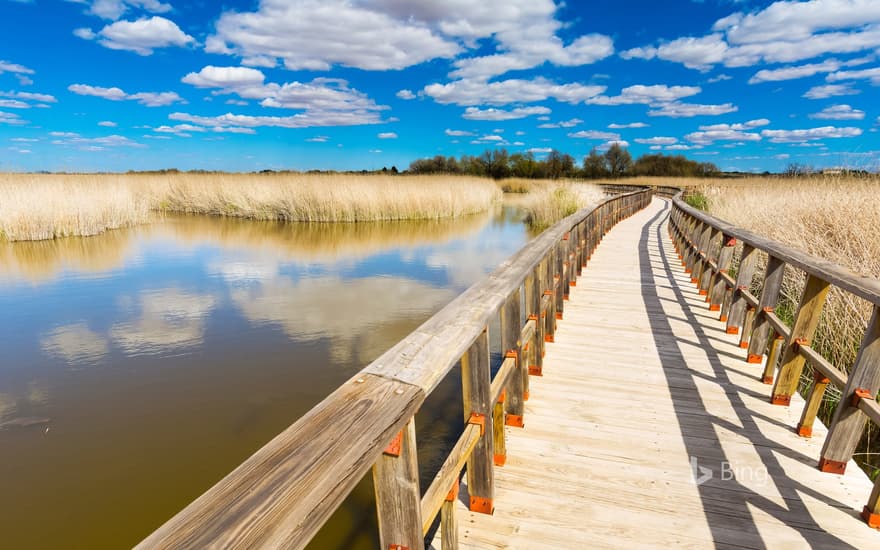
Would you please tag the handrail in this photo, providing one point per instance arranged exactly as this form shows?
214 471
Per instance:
706 247
285 492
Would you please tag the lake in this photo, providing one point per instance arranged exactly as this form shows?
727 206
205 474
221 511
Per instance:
140 366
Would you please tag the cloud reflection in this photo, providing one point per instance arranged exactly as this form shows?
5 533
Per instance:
169 319
75 343
361 317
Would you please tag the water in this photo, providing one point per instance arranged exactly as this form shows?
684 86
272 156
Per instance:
140 366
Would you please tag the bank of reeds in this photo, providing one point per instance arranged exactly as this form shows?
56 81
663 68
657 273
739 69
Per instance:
34 207
548 203
831 217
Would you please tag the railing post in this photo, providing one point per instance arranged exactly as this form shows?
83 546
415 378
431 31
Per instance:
565 271
769 298
871 513
398 499
718 285
527 349
476 384
805 323
848 422
776 344
737 314
707 275
511 346
449 522
550 292
559 279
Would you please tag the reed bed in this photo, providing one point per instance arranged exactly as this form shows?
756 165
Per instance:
548 203
832 217
35 207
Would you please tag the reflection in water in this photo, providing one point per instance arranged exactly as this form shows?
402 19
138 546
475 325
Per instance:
75 343
346 312
318 242
169 318
124 396
42 261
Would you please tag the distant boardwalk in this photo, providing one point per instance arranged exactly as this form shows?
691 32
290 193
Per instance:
642 390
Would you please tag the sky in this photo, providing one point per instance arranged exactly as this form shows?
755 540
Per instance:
116 85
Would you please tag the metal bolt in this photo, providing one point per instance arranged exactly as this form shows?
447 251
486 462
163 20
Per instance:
360 380
398 391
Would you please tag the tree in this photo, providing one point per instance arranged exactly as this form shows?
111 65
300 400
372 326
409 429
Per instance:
619 160
594 165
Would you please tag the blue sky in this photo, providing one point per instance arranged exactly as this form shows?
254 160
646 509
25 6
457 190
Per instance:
88 85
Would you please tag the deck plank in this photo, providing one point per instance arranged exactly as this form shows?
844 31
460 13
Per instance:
641 380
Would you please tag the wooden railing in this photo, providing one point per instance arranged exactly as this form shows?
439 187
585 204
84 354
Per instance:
284 493
706 246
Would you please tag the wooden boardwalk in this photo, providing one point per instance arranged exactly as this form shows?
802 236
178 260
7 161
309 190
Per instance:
641 389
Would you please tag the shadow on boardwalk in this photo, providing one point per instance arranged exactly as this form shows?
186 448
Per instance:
729 504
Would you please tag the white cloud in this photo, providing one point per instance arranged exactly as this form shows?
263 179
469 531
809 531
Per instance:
647 95
108 124
540 150
687 110
562 124
11 119
607 145
405 94
727 132
616 126
473 113
149 99
457 133
113 9
318 139
695 53
811 134
870 74
29 96
595 134
141 36
719 78
7 67
784 32
472 92
791 73
660 140
224 77
308 119
317 34
92 144
830 90
13 104
387 135
839 112
681 147
325 101
186 130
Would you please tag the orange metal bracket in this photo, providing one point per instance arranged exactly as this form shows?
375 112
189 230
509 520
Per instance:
805 431
482 505
780 399
514 420
832 466
756 359
453 493
872 519
478 419
397 547
393 448
859 394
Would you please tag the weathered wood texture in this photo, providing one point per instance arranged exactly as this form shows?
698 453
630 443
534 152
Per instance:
283 494
642 378
398 502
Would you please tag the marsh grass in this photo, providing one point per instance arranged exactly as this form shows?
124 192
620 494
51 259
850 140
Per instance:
831 217
548 203
36 207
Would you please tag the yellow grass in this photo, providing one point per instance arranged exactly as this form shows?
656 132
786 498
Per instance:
34 207
831 217
548 202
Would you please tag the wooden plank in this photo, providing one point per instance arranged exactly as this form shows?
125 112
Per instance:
477 399
848 422
283 493
805 323
773 276
396 485
448 474
822 365
737 314
511 345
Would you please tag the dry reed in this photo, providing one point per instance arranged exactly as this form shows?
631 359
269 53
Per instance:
548 203
34 207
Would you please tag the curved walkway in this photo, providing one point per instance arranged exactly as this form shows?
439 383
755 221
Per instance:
642 390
